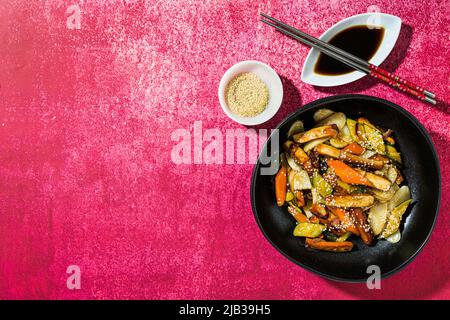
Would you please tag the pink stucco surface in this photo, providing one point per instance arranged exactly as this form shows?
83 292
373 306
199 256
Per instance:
86 117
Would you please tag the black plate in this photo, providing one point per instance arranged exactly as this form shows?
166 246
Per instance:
421 170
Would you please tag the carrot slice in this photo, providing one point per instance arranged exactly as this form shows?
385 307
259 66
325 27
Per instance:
300 198
363 226
280 185
354 148
300 217
319 210
347 173
345 219
319 244
314 219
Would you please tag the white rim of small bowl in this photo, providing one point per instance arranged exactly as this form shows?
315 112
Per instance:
275 88
309 76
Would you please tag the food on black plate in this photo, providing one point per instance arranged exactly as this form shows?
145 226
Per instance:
342 179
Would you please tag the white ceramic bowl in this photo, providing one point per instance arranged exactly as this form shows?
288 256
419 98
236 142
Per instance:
268 76
391 24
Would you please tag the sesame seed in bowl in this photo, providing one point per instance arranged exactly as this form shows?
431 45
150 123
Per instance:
250 92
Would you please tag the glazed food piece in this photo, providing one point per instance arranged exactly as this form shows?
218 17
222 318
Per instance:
333 246
342 179
328 131
280 186
350 201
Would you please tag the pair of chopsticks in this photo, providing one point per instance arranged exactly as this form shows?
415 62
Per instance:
351 60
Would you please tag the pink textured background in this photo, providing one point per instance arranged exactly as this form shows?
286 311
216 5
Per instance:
85 123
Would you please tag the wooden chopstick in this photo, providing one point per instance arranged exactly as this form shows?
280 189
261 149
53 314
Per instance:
318 41
327 51
351 60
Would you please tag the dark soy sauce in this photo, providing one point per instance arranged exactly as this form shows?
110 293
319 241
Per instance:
358 40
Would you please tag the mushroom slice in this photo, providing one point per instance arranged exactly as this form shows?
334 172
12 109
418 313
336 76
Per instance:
316 133
350 201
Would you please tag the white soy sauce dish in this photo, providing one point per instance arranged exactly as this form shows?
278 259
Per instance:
391 24
268 76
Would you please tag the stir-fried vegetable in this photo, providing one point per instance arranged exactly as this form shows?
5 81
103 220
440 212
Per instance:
371 136
289 196
392 153
322 186
378 215
338 142
347 222
321 114
351 124
295 128
329 151
395 237
332 246
299 180
300 198
316 133
384 196
342 179
280 186
319 210
296 152
403 194
338 119
332 152
394 219
297 214
314 143
344 237
377 181
310 230
363 226
354 148
292 163
347 173
350 201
